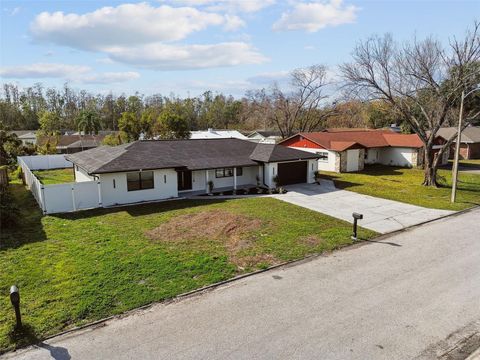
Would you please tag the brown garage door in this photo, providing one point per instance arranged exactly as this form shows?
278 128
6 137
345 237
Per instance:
292 172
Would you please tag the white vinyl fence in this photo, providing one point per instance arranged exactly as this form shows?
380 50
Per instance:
58 198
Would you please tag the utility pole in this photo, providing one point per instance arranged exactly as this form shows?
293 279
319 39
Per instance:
457 146
457 151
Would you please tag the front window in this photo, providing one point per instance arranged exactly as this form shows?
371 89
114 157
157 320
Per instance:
227 172
323 156
140 180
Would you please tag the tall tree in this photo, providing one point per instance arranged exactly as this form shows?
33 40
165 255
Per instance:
420 80
298 110
172 123
50 123
88 121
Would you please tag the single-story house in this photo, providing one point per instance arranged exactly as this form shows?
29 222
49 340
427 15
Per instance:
69 144
349 151
148 170
265 136
28 137
217 134
469 141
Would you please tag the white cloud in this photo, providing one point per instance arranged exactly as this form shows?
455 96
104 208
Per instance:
126 24
230 6
313 16
105 60
76 73
177 57
233 22
147 36
42 70
110 77
309 47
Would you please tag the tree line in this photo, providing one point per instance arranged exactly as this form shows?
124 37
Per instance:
416 84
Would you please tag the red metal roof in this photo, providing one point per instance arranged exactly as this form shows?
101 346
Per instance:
342 140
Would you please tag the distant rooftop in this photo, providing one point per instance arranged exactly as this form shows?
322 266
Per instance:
216 134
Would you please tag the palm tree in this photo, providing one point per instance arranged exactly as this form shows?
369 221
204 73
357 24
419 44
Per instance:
88 122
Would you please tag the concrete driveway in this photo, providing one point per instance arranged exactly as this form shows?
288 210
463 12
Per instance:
379 214
414 295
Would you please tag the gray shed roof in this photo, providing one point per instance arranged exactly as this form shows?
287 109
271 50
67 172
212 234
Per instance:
471 134
190 154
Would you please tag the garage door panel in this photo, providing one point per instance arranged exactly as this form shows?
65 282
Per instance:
292 172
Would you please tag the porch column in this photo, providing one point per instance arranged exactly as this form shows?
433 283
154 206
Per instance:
206 181
234 178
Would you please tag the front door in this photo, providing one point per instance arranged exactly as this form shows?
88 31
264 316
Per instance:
184 180
352 160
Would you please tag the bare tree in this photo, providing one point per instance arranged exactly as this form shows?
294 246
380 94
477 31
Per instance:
301 109
420 80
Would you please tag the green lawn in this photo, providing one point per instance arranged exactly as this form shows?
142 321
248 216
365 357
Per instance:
75 268
405 185
56 176
469 163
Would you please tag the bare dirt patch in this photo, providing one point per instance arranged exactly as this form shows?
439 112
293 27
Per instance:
236 232
310 240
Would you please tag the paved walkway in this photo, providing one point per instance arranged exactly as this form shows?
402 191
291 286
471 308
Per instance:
379 214
396 299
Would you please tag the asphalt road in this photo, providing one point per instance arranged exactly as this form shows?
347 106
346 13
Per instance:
413 295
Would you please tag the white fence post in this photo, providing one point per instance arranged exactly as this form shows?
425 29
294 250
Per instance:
74 205
42 202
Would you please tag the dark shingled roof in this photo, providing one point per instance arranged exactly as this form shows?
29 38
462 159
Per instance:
190 154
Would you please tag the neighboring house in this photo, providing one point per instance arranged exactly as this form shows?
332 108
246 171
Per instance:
161 169
269 137
350 150
469 141
217 134
69 144
28 137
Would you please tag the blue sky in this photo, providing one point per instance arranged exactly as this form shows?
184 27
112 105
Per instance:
188 46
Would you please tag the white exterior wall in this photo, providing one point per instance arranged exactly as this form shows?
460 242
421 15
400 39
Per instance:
271 169
198 180
312 167
323 165
120 194
81 175
373 155
397 156
248 177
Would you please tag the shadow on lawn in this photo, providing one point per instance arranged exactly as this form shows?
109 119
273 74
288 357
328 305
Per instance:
140 209
27 336
29 227
22 337
381 170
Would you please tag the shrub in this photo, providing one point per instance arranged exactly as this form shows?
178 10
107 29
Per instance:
16 174
210 186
